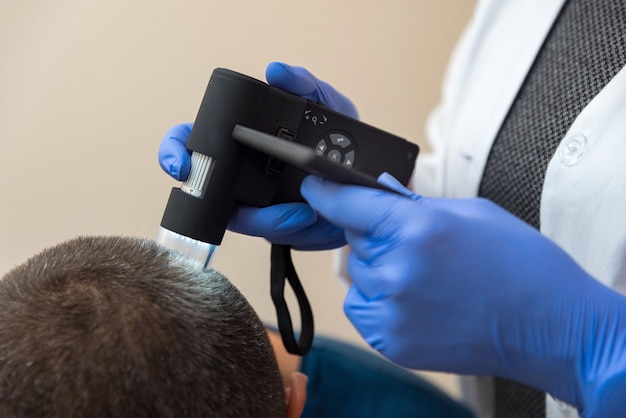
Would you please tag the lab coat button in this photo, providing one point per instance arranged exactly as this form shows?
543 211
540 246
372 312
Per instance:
573 149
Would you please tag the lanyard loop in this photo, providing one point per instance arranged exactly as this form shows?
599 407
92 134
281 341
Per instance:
282 270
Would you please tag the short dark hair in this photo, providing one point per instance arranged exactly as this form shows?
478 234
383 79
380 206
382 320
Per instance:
120 327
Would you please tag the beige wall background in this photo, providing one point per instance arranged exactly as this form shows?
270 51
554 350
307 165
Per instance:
88 88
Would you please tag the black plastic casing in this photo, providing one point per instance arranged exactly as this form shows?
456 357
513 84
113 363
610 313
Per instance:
242 175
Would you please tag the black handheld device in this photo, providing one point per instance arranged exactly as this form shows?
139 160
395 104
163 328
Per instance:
224 172
253 144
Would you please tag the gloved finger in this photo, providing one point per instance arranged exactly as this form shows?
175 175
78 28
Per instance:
368 248
299 81
367 316
174 158
294 224
355 208
320 236
374 276
272 221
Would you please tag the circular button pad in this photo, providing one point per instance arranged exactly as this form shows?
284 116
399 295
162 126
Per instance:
337 147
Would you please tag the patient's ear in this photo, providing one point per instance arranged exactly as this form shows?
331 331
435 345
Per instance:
295 395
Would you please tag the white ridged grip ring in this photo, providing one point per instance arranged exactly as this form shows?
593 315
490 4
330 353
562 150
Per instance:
200 168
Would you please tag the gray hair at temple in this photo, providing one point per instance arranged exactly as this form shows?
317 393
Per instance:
120 327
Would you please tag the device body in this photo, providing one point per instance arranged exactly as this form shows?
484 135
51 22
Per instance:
225 172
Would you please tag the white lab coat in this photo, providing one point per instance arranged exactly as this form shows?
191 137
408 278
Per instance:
583 203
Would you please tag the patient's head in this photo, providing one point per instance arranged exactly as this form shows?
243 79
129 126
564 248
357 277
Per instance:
111 326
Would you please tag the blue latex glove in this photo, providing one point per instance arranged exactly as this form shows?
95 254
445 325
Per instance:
299 81
462 286
294 224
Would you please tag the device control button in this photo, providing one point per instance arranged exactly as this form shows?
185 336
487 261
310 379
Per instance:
340 140
349 160
334 156
321 147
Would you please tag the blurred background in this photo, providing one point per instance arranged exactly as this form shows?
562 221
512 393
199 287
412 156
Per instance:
88 88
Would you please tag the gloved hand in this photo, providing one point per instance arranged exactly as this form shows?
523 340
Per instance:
462 286
294 224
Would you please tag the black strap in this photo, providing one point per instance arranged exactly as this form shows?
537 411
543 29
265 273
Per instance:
282 270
